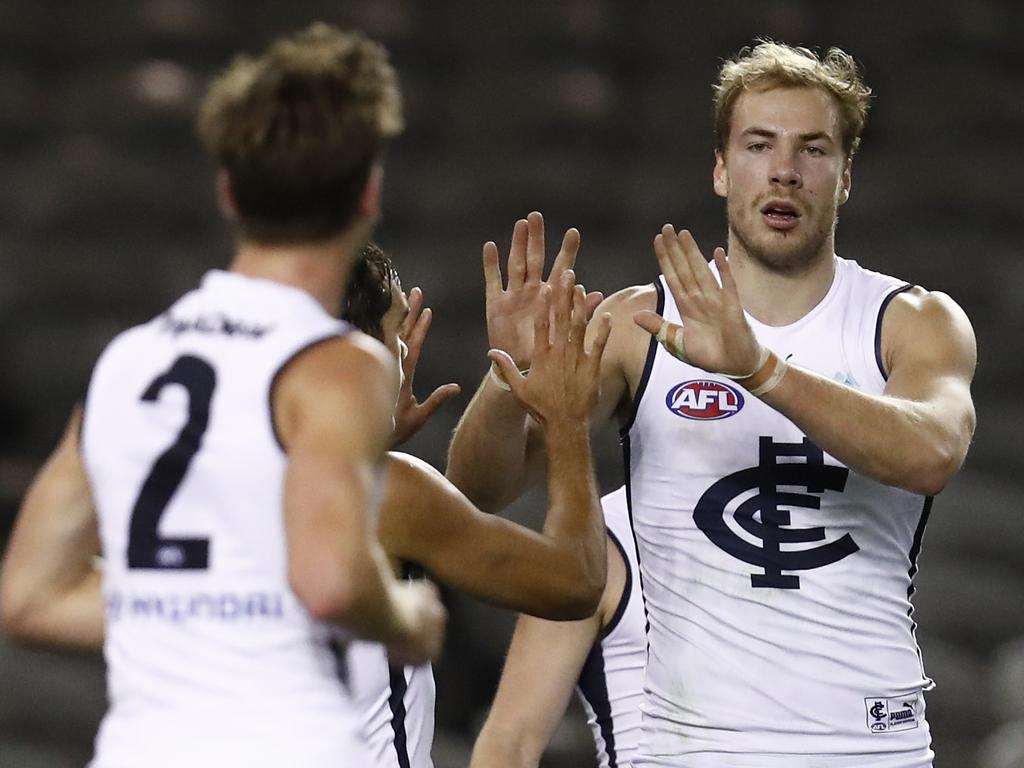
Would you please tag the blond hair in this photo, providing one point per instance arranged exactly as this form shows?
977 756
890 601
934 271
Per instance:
298 129
773 65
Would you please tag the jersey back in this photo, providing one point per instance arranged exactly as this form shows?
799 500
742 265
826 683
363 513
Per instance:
777 581
212 660
612 679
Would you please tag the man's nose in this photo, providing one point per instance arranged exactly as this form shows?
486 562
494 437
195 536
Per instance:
784 173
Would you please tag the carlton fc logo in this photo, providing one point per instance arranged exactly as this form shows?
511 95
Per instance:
762 534
704 400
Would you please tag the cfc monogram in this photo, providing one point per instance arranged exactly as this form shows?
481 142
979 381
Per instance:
773 505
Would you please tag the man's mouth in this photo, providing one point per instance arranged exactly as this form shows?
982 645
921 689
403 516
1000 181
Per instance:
780 215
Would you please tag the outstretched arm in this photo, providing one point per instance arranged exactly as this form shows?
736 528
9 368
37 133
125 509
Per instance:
914 435
50 589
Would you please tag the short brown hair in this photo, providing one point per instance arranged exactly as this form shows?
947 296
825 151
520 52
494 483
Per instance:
368 296
772 65
298 129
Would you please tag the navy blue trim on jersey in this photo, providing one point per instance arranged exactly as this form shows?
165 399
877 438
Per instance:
652 349
339 650
915 547
593 685
636 547
627 590
878 326
915 551
280 369
396 702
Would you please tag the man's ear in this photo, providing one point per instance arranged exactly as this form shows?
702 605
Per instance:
226 196
846 181
720 175
369 200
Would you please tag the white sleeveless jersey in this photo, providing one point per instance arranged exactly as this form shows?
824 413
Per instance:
777 581
396 707
212 660
612 679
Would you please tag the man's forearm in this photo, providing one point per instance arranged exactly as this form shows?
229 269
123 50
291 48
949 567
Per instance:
574 517
487 458
897 442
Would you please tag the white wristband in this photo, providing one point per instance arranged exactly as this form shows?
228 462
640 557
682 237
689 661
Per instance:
499 380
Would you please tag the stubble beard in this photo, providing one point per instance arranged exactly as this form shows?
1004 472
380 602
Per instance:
785 253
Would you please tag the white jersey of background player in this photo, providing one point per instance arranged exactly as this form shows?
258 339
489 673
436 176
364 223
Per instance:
602 656
734 509
426 526
230 445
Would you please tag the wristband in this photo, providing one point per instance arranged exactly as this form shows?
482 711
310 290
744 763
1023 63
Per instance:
767 377
761 360
497 378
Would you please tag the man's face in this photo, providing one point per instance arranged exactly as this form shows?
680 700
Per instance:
783 174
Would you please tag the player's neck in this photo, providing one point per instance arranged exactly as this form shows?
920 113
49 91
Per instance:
781 298
320 269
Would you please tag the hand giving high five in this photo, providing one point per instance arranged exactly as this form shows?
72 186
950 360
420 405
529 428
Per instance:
511 309
564 379
715 334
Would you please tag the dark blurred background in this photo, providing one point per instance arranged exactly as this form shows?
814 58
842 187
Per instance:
596 113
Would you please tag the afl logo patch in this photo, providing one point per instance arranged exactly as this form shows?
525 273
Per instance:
704 400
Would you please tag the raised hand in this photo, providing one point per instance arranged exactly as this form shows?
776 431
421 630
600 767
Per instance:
410 414
563 382
511 308
715 334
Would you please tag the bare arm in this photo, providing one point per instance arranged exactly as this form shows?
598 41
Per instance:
333 407
426 520
914 435
542 668
49 589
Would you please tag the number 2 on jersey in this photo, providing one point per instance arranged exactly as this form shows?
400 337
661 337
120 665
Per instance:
146 548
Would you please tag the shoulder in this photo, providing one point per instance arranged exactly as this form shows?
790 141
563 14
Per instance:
337 360
352 375
408 475
921 323
623 360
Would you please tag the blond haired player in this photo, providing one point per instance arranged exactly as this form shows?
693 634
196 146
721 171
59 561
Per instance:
782 444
